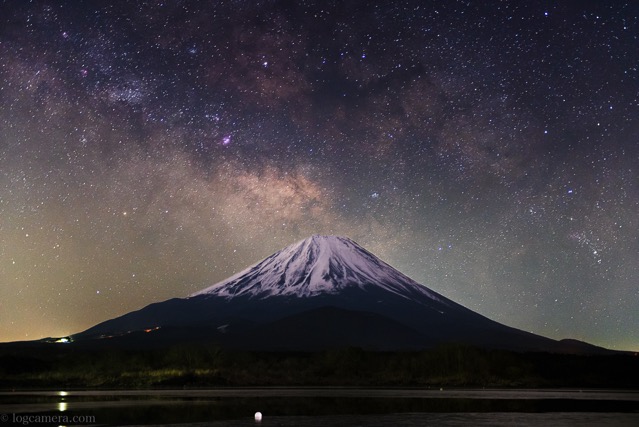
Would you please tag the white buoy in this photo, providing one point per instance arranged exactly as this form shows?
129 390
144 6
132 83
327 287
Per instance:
258 416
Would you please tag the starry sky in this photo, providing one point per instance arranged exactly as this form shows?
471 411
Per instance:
487 149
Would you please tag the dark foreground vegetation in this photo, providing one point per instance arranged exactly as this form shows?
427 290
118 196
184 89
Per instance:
60 365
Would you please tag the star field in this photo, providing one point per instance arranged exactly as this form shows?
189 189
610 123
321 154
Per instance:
486 149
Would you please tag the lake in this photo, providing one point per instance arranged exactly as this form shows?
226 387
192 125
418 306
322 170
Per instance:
324 407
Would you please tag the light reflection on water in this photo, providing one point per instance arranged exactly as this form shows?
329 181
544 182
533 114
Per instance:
306 407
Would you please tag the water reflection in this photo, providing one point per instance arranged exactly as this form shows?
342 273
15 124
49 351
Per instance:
334 407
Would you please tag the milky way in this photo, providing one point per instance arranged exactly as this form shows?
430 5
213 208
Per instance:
486 149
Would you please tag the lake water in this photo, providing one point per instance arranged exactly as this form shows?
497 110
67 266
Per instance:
323 407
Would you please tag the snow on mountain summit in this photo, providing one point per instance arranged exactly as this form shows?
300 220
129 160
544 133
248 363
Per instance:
323 292
319 265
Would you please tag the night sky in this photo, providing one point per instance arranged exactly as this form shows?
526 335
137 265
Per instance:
487 149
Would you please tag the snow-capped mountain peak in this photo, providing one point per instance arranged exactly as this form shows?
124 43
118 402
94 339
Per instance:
323 292
319 265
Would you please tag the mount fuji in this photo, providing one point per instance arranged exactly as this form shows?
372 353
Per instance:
323 292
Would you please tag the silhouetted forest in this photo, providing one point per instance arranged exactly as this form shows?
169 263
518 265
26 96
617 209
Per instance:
57 365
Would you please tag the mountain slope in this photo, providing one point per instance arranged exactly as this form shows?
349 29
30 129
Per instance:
318 265
331 328
307 290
